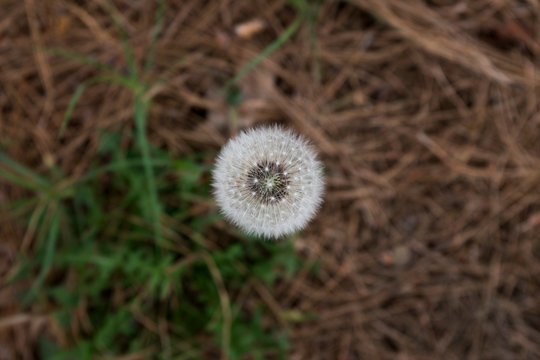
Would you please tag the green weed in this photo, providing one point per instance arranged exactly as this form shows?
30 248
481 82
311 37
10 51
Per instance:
95 253
307 11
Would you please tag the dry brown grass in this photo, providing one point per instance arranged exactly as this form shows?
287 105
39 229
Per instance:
427 119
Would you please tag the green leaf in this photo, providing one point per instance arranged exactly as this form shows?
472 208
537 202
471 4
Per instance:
50 244
282 38
150 199
72 102
20 174
128 52
158 24
80 58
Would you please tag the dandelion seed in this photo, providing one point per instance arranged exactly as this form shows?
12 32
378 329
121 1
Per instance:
257 164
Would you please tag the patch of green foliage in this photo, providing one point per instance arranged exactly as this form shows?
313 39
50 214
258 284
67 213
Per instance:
96 252
120 255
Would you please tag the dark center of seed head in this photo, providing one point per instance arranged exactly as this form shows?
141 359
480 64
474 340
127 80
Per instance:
268 182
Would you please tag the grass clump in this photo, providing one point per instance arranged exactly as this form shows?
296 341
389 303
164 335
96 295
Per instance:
114 290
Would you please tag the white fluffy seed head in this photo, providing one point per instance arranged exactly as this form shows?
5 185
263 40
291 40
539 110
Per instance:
268 181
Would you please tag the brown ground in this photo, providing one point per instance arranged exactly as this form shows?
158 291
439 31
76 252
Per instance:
426 115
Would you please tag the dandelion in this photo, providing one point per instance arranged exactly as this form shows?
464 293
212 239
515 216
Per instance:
268 181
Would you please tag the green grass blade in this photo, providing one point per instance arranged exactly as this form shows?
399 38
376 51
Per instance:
18 180
286 35
121 166
299 4
158 24
18 208
51 240
72 102
311 18
166 74
141 113
128 52
6 160
80 58
32 180
122 80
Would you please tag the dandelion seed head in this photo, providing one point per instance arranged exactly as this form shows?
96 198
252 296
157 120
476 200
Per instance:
267 200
